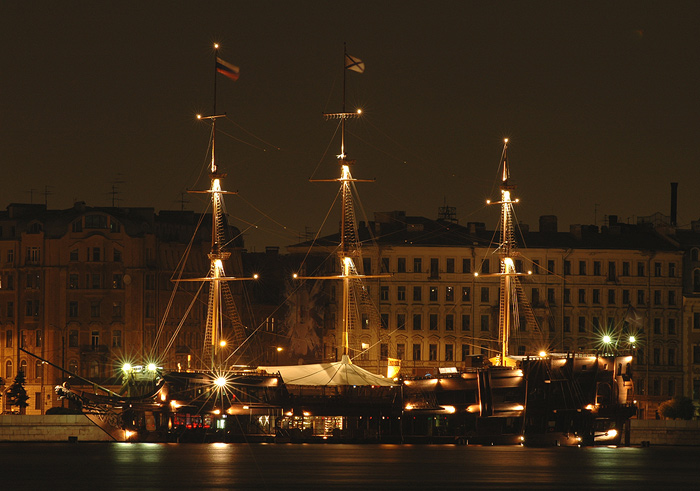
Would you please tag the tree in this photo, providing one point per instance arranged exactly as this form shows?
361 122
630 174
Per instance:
17 395
677 408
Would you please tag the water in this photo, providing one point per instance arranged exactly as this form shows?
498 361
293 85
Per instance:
260 466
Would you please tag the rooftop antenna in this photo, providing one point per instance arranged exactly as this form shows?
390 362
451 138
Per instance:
115 189
47 192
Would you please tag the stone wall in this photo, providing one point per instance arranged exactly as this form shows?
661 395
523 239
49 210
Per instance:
50 428
664 432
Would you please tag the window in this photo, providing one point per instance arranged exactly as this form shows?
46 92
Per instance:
672 297
416 352
581 295
383 351
567 268
416 322
96 221
39 371
567 296
625 268
596 268
484 294
640 297
449 294
625 297
73 281
367 265
72 309
96 254
640 269
485 323
450 265
449 322
550 266
10 255
150 282
433 293
400 351
657 297
116 338
466 265
696 354
117 255
417 291
672 270
364 321
466 294
433 322
38 338
657 269
384 293
465 352
401 322
8 338
582 267
535 296
95 281
696 320
95 339
74 255
417 264
596 296
77 225
672 326
550 296
33 255
449 352
384 321
118 281
8 373
401 293
434 267
671 387
401 265
485 266
10 309
150 310
535 266
567 324
94 308
581 324
671 356
612 270
32 308
657 326
114 226
73 338
657 356
611 297
432 352
466 322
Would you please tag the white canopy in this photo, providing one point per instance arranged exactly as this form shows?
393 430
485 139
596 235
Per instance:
341 372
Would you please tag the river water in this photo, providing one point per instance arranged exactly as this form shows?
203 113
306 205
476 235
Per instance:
38 466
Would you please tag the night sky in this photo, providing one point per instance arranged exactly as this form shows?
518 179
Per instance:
599 99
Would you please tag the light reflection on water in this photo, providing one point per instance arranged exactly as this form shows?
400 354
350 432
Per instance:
287 466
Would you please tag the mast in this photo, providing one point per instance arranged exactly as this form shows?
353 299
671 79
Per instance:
219 294
349 248
506 252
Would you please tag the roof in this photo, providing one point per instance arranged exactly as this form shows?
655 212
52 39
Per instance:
342 372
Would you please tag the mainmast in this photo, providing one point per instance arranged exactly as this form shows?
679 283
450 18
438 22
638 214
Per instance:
349 248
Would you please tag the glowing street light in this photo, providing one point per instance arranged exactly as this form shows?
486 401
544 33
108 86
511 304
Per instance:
607 339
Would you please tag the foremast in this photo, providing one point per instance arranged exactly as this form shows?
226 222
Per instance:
220 296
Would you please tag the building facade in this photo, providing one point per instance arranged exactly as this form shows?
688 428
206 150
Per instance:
88 289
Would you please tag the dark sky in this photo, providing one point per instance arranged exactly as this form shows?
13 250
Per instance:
599 100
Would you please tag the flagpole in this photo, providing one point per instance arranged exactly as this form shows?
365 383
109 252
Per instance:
342 121
213 121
